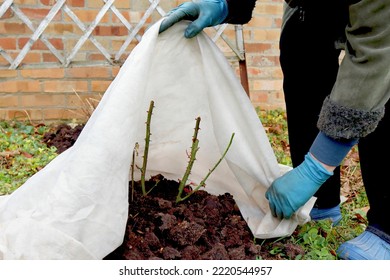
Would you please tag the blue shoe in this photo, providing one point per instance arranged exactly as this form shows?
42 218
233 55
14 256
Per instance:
333 213
367 246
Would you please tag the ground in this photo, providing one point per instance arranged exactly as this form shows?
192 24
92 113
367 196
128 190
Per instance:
204 226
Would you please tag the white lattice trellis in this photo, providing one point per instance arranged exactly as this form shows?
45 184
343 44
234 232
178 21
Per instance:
65 60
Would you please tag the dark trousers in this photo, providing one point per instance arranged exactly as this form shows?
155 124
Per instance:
310 61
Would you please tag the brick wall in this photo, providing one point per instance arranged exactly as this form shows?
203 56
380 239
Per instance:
42 88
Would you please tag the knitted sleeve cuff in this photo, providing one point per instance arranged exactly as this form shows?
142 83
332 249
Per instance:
331 151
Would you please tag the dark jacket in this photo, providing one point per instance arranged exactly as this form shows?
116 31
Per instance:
356 103
240 11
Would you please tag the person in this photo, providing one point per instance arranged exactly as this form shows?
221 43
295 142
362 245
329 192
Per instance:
330 110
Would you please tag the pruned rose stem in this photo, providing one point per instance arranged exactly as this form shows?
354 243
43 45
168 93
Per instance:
135 152
203 182
192 156
146 150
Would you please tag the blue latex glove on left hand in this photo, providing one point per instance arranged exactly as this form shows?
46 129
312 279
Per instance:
203 13
292 190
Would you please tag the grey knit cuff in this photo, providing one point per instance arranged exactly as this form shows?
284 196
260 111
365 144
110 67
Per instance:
340 122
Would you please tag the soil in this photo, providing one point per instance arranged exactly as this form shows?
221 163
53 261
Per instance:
202 227
62 136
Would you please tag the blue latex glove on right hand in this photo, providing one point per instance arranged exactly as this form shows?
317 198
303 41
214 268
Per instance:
292 190
203 13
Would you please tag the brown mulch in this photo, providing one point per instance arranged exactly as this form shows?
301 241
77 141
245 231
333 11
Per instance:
62 136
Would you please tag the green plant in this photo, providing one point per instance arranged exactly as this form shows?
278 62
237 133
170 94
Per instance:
275 125
192 157
146 149
22 153
317 239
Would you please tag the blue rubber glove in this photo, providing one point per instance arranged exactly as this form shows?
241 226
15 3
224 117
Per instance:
203 13
292 190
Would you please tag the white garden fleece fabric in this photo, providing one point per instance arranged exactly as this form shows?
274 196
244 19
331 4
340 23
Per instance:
76 207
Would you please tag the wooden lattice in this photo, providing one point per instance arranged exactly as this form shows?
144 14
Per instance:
133 33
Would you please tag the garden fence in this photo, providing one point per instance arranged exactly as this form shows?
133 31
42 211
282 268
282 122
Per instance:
68 58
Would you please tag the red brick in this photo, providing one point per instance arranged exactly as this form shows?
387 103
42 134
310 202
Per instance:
16 28
61 29
88 72
7 73
8 43
3 114
264 61
100 86
101 30
42 100
257 22
278 22
277 73
8 86
46 2
64 114
43 73
257 47
87 16
4 62
267 34
8 14
49 57
65 86
86 101
27 2
20 86
8 101
97 57
21 114
32 57
39 45
30 86
89 46
125 14
117 45
267 85
270 9
253 72
40 14
36 114
123 4
115 71
76 3
124 56
259 97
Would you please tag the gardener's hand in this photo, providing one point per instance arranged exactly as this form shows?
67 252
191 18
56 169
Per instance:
203 13
292 190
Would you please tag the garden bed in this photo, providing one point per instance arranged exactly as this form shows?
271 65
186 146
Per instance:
204 226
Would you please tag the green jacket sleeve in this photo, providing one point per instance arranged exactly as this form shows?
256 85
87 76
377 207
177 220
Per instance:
356 103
